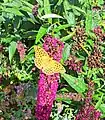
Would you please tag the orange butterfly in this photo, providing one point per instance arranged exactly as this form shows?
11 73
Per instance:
44 62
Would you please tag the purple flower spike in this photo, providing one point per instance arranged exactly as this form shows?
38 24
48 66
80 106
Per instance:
88 111
21 50
48 84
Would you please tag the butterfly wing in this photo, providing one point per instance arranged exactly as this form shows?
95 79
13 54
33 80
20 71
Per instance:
53 67
41 57
40 52
38 62
44 61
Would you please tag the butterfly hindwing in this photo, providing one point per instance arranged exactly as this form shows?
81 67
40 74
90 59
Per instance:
53 67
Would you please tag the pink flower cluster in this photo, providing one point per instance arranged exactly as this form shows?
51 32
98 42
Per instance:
21 50
53 47
48 84
35 10
73 64
47 88
88 111
99 33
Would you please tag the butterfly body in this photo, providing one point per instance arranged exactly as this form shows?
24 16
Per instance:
44 62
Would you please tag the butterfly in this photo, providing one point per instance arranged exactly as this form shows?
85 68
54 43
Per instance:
46 63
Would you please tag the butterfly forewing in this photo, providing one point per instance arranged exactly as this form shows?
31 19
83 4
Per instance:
40 52
40 55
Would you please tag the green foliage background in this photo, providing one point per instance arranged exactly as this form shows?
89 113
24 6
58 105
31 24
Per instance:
59 18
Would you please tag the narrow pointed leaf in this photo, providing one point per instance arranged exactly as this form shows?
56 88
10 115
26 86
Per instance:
12 49
42 31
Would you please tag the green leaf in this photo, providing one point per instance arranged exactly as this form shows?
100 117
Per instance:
51 16
65 38
88 21
40 2
57 29
59 2
66 100
26 9
66 52
85 67
100 2
81 1
99 102
102 108
72 18
47 9
12 49
14 11
90 41
77 83
42 31
101 70
2 19
67 14
92 35
77 8
32 18
66 5
14 3
76 12
8 39
27 3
